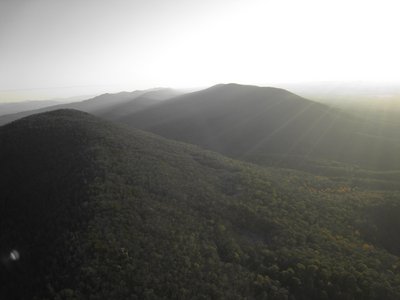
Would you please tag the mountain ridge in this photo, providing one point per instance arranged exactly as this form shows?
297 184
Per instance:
104 105
243 121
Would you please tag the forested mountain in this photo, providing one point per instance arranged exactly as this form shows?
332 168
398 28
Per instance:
258 124
110 106
253 123
91 210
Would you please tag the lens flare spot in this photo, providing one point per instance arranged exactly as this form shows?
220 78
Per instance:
14 255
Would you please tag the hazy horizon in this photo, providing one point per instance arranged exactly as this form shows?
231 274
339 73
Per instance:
310 89
55 49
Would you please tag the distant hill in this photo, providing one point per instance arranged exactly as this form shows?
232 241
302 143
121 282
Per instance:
7 108
12 108
249 122
118 110
373 100
91 210
106 105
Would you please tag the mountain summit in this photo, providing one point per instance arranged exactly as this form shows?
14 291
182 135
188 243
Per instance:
253 123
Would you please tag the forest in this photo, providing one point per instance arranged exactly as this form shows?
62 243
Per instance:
97 210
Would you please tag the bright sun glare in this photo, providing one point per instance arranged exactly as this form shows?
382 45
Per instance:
111 46
286 41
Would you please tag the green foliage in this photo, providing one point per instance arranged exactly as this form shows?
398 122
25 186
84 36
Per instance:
101 212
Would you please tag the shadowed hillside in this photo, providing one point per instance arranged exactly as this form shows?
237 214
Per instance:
257 124
249 121
90 210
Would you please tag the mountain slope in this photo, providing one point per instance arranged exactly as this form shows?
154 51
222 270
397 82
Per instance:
12 108
253 122
143 101
90 210
8 108
109 106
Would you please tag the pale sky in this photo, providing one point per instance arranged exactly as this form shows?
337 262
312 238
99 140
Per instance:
62 48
